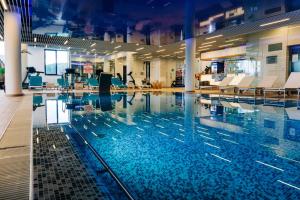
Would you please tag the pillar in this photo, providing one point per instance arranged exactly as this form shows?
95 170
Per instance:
106 37
12 46
129 65
129 35
106 67
190 64
190 41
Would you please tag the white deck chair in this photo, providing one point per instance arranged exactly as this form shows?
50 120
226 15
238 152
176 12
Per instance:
266 82
293 83
233 83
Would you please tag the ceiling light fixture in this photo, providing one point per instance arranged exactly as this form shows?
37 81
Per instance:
162 50
206 43
178 52
210 45
275 22
4 5
233 40
66 42
1 37
226 45
35 39
93 44
213 37
204 49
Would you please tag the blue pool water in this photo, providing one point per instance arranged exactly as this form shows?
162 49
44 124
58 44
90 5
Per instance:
184 146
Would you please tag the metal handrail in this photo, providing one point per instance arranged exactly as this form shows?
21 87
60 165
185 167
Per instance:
105 165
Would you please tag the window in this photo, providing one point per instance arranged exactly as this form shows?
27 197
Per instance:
275 47
56 62
271 59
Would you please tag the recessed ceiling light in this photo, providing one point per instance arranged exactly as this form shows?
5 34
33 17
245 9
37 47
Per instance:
35 39
226 45
210 45
204 49
275 22
213 37
209 42
162 50
233 40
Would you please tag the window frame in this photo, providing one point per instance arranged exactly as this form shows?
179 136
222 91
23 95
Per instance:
54 50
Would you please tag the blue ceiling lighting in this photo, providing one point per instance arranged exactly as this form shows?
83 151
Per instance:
92 18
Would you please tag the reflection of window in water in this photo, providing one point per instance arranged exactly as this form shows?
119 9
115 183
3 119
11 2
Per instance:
56 112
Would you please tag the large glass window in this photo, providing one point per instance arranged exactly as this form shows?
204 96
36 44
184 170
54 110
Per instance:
56 62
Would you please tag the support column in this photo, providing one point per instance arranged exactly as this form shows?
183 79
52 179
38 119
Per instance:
106 37
129 35
190 64
190 41
12 46
129 65
106 67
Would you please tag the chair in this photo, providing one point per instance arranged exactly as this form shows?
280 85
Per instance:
93 83
266 82
117 84
293 83
141 84
235 81
63 84
35 82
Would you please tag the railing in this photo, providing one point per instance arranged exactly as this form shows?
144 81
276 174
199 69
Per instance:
105 165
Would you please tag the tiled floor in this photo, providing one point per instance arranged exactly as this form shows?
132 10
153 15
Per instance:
58 170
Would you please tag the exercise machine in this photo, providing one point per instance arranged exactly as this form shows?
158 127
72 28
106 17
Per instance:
30 71
132 79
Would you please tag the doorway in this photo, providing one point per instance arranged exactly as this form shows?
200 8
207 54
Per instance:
124 74
147 63
294 58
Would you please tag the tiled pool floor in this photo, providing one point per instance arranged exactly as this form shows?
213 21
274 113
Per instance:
58 171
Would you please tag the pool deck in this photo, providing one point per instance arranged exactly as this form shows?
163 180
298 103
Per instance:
15 147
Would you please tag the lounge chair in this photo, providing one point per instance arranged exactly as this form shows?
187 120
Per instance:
93 83
266 82
141 84
236 80
117 84
293 83
35 82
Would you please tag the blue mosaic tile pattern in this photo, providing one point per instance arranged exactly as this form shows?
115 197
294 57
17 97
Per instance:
176 146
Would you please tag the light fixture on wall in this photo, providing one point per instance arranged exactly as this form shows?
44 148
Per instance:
275 22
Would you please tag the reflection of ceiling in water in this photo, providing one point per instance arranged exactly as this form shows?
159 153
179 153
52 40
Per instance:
94 17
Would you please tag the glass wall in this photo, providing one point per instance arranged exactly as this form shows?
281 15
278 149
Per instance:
56 62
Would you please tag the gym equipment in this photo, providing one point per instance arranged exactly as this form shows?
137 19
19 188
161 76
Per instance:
132 79
71 74
119 76
31 71
179 82
35 82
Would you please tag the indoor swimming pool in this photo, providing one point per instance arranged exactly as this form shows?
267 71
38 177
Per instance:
180 146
